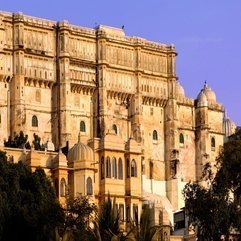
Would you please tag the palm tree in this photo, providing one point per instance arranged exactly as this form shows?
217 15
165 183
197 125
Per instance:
107 225
145 231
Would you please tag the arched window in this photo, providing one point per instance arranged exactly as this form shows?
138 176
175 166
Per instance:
62 187
102 167
114 128
127 168
114 167
154 135
120 169
89 186
213 144
82 126
56 185
133 168
121 212
181 139
108 167
34 121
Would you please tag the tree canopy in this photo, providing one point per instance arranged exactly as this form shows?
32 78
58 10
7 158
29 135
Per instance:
29 209
21 141
215 208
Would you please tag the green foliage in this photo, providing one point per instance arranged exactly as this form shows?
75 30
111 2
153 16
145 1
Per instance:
215 209
207 210
37 143
80 213
20 141
28 206
108 222
84 222
145 230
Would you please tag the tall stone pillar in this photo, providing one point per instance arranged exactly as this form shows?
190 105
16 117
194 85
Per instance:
171 135
101 79
202 134
137 111
18 115
64 88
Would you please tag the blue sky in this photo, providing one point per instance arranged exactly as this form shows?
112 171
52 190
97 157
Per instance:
206 33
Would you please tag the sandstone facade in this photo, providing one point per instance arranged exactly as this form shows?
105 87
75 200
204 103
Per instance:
115 101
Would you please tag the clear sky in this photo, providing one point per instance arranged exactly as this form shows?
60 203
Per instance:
206 33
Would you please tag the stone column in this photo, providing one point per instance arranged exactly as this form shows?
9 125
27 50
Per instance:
18 115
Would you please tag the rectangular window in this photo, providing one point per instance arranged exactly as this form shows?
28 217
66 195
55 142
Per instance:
135 213
121 212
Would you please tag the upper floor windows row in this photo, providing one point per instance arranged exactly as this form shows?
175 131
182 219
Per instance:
182 141
111 168
60 188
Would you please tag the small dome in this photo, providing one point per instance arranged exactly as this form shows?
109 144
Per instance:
179 90
211 96
229 127
80 152
202 99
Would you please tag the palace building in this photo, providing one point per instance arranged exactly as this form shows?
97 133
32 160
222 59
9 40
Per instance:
114 104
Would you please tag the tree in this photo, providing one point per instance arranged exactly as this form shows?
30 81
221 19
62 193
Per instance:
215 209
20 141
29 209
37 143
83 221
145 230
80 213
107 224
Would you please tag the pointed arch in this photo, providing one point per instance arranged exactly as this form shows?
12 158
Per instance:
89 186
34 121
181 138
108 167
62 187
133 168
154 135
120 169
114 167
82 126
114 128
